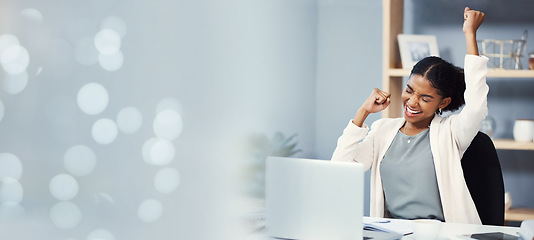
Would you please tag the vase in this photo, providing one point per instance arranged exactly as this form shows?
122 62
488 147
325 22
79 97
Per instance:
524 130
488 125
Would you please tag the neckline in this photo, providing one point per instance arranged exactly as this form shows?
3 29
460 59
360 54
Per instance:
428 127
412 136
409 138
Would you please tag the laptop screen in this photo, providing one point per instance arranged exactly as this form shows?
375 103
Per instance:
313 199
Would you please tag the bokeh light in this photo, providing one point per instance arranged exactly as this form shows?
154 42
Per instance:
100 234
147 147
2 110
104 131
63 187
80 160
7 40
111 62
169 104
168 125
10 166
65 215
166 180
129 120
32 14
150 210
93 98
162 152
11 191
103 197
107 41
15 59
39 71
15 83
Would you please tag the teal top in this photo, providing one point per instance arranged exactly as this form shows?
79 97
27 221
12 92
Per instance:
409 178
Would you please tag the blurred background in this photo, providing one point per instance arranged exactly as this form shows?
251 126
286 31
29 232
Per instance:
152 119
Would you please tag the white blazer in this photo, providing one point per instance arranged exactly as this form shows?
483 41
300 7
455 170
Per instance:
449 138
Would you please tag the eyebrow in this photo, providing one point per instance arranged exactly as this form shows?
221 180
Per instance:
422 95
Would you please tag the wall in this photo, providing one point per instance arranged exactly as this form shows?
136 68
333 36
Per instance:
509 99
138 131
349 66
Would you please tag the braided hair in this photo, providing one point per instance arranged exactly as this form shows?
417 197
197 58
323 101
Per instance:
448 79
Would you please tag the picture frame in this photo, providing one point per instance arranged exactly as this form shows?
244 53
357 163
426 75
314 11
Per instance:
416 47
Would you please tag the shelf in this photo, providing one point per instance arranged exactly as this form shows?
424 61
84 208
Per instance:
502 73
518 214
492 73
398 72
509 144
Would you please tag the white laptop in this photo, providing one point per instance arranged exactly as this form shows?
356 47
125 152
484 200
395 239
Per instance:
313 199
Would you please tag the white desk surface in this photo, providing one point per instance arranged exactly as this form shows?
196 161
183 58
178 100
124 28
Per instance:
453 230
449 231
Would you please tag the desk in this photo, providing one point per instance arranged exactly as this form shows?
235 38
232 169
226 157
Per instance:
449 231
452 230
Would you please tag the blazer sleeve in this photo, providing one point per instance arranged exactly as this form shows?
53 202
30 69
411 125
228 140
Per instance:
466 124
356 144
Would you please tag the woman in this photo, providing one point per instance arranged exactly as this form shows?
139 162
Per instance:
415 160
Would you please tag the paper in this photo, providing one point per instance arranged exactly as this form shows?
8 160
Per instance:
527 229
400 226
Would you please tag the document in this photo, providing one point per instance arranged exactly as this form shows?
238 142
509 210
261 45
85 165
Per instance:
399 226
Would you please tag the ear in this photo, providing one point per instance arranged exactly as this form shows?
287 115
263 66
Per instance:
445 102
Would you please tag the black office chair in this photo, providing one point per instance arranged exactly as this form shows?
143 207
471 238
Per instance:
483 176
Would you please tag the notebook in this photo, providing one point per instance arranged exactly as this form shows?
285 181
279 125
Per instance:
313 199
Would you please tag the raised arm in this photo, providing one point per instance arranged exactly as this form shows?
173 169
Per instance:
376 102
466 124
472 20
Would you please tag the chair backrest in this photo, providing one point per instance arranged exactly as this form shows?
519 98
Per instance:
483 176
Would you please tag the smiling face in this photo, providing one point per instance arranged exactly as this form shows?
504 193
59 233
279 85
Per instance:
421 100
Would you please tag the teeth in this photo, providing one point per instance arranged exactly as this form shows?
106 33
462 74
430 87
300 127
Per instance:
412 111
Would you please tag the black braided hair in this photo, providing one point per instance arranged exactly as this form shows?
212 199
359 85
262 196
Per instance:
448 79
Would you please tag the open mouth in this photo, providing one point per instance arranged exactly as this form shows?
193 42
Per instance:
410 112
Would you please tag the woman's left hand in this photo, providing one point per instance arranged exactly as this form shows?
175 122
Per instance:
472 20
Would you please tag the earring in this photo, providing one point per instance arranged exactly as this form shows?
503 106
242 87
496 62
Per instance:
439 109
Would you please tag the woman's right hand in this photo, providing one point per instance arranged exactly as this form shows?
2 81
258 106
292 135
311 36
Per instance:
377 101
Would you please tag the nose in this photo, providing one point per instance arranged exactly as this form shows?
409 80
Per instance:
412 101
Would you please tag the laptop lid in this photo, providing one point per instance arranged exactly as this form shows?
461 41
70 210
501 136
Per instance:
313 199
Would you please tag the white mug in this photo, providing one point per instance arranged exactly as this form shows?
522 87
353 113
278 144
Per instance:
507 200
524 130
426 229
